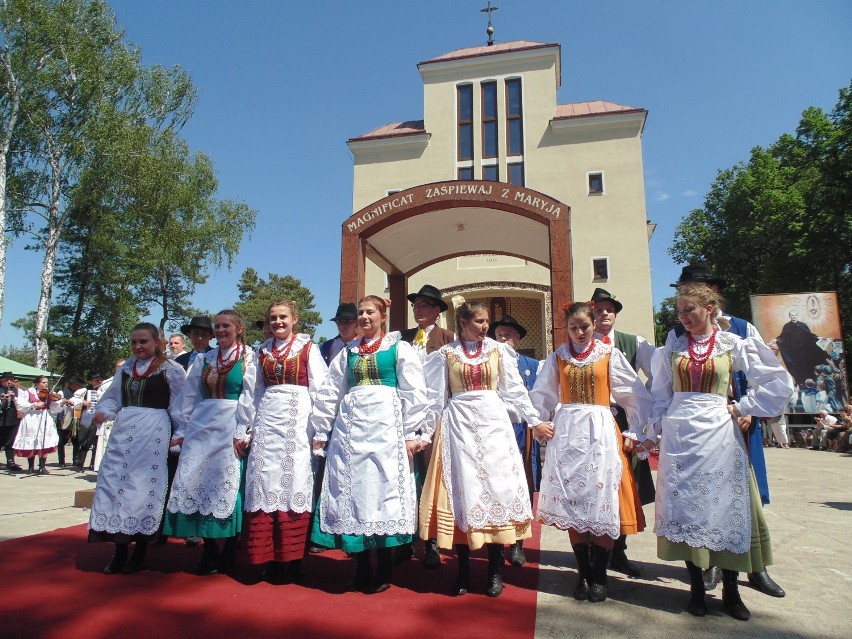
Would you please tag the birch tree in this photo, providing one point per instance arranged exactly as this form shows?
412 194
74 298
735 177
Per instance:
91 82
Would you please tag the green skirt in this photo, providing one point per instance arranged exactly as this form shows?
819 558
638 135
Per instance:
208 526
755 560
353 543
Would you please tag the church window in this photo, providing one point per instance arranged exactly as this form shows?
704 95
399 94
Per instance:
600 269
516 173
489 119
596 183
465 122
514 118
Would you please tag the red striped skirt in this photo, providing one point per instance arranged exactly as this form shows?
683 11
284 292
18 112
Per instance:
276 536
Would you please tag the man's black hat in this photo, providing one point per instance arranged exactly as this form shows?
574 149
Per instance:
510 321
347 312
601 295
699 272
430 292
202 321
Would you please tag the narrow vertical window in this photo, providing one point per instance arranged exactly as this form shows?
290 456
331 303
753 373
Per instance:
466 173
596 184
514 118
489 119
465 122
600 269
516 173
490 173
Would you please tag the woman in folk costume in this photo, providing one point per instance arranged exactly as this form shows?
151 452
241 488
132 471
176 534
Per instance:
708 506
37 435
279 477
475 491
217 407
583 487
366 416
131 488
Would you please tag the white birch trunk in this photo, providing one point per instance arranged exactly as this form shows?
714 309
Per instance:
51 246
2 233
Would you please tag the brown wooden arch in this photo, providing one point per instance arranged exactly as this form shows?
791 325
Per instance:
363 232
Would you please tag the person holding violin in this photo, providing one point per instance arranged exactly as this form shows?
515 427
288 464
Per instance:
37 436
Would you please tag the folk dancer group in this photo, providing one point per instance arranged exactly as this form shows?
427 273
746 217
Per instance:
433 435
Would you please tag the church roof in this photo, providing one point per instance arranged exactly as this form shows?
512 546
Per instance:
591 109
483 50
394 129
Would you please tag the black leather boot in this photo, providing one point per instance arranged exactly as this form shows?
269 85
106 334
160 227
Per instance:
619 562
495 567
697 605
362 581
731 596
712 577
137 559
432 558
597 587
462 586
516 554
584 571
384 570
119 558
209 558
764 583
228 557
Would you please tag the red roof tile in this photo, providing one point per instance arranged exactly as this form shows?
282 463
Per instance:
591 109
394 129
502 47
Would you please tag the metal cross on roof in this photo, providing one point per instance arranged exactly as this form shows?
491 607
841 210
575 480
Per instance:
490 30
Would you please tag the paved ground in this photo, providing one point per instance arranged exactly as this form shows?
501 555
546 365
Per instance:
809 518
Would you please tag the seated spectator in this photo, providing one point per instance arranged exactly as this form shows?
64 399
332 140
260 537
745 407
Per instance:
833 434
824 422
842 445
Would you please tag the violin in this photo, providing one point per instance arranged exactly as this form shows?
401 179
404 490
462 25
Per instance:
47 396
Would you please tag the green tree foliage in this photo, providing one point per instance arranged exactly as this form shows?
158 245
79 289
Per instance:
665 319
256 294
782 222
126 214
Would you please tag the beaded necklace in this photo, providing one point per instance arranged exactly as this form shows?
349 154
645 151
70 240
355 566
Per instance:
581 356
696 359
475 353
137 378
281 353
367 351
223 365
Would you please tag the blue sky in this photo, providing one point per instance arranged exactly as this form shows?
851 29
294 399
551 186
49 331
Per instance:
282 85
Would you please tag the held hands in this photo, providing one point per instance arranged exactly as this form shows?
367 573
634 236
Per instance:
744 421
99 419
412 446
175 442
240 447
543 432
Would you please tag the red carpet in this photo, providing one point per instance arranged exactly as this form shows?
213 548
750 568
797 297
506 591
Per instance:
52 587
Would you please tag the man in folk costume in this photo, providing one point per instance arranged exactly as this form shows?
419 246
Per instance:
638 352
509 331
427 337
10 418
346 319
200 332
701 272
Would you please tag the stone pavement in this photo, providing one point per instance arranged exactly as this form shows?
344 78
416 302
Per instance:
809 518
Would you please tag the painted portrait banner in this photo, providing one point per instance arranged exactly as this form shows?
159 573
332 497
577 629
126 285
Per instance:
803 329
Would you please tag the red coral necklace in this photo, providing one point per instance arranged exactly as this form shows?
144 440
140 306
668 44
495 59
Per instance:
581 356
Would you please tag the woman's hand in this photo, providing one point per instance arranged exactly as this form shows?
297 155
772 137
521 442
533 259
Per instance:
240 447
99 419
543 431
744 421
648 444
176 442
318 445
412 446
628 445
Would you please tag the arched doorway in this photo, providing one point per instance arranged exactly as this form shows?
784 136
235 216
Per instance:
407 231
